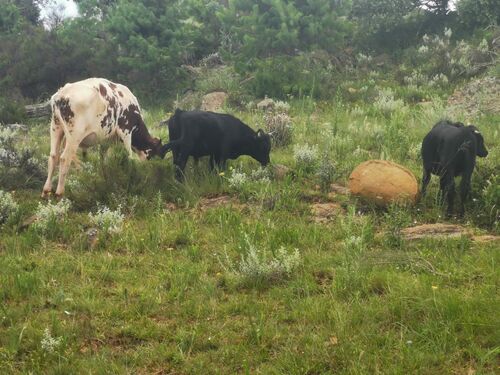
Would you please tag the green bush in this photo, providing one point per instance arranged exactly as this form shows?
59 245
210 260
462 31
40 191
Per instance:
314 74
115 178
11 111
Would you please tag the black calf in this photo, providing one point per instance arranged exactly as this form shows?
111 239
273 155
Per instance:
450 150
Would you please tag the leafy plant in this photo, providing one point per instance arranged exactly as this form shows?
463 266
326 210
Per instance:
107 220
49 215
7 206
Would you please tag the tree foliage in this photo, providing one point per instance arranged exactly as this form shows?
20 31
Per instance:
286 46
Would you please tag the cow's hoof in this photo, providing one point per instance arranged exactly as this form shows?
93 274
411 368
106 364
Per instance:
46 194
59 196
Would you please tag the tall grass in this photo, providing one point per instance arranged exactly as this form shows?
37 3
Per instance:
158 296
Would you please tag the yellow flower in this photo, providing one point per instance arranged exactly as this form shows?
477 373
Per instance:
434 287
221 174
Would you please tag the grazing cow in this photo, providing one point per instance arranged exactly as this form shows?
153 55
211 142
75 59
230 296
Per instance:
89 111
450 150
220 136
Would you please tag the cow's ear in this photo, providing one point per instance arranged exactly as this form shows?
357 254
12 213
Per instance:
260 133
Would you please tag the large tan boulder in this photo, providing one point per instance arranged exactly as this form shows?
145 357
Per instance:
214 101
383 182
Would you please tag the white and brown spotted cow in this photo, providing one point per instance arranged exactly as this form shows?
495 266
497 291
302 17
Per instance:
89 111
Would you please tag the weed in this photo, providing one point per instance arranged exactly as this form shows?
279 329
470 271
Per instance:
48 216
107 220
8 206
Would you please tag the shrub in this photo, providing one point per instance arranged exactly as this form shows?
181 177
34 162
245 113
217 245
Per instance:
237 179
18 167
260 175
326 172
115 179
386 103
107 220
279 124
48 215
491 200
437 61
256 265
11 112
305 156
7 206
50 344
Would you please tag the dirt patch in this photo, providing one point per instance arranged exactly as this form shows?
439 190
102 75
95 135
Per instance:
280 171
477 97
222 200
339 189
486 238
434 230
213 101
171 206
324 212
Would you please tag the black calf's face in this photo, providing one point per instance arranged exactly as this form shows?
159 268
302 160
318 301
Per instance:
481 149
155 150
263 148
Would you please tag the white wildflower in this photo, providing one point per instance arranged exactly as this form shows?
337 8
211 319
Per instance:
49 214
237 179
386 102
49 343
108 220
305 155
257 264
423 50
7 206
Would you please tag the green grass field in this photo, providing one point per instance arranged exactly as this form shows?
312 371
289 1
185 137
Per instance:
178 290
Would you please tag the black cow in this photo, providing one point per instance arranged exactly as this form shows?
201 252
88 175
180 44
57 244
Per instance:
450 150
220 136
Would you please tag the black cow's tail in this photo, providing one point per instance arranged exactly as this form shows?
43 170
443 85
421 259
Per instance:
168 147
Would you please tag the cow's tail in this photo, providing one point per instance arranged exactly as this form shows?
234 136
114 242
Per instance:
167 147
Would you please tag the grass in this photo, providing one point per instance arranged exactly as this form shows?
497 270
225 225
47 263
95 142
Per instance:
159 297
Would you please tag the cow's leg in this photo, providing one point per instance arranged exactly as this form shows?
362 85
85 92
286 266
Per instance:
425 181
464 192
68 155
181 156
447 185
181 165
56 136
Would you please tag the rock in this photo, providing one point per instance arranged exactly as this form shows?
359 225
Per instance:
213 101
265 105
92 237
339 189
280 171
434 230
27 222
17 127
486 238
383 182
323 212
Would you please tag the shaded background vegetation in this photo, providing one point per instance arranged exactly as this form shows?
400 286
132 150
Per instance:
281 47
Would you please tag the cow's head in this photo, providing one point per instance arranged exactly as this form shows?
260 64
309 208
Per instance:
480 147
263 147
154 148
